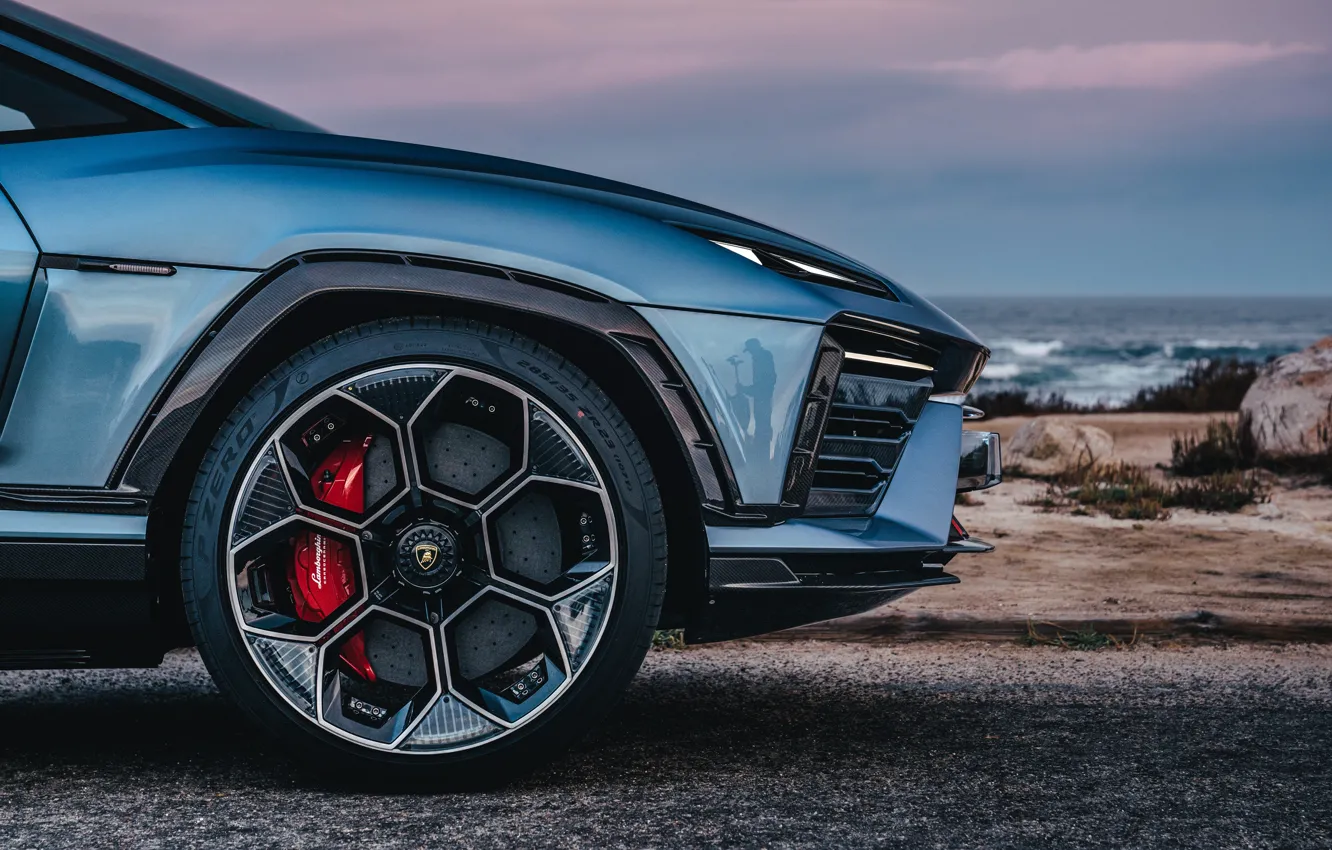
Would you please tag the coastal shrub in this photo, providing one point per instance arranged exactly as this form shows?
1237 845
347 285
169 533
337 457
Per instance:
1087 639
1224 447
1084 639
998 403
1219 492
1321 463
1236 447
1119 490
1126 491
1051 500
668 639
1207 386
1317 463
1227 447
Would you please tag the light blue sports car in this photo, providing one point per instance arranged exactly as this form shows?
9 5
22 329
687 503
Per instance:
419 446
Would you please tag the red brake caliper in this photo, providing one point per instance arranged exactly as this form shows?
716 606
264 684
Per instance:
322 572
338 481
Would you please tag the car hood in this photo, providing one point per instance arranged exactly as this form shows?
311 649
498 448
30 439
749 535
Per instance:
358 153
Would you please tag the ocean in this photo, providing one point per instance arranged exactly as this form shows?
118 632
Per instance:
1106 349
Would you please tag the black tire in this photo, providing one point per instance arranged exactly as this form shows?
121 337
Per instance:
586 411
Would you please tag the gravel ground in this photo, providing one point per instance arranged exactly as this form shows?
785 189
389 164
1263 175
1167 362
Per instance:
773 744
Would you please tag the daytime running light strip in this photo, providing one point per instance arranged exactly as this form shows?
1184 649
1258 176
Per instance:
816 270
887 361
747 253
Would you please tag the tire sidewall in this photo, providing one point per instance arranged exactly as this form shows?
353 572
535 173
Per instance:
583 408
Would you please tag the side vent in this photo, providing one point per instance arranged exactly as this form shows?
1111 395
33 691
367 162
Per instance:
868 427
705 456
885 378
818 401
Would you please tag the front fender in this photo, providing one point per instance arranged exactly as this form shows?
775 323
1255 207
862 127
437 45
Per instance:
246 199
302 281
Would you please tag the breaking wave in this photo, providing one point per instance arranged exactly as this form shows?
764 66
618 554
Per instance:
1107 349
1028 347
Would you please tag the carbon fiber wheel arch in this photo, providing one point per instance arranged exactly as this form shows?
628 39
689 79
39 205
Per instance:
295 283
160 462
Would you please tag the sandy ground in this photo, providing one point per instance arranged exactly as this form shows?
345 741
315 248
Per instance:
1269 566
797 744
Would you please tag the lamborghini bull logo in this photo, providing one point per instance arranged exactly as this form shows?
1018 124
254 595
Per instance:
426 555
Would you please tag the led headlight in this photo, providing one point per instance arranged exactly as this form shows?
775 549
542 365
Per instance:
801 268
807 268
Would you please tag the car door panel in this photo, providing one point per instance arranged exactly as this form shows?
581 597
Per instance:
18 259
104 345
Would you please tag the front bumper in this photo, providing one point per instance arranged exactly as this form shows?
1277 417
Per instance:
810 569
847 452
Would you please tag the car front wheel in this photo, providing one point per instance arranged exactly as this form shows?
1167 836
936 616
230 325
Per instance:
424 547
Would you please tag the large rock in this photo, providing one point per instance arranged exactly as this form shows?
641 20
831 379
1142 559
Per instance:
1290 404
1048 445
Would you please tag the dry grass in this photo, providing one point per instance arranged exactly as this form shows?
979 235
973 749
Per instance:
1316 462
1222 448
668 639
1126 491
1226 448
1220 492
1118 490
1085 639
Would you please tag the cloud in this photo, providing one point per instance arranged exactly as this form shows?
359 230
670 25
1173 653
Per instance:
404 52
1132 65
859 123
321 55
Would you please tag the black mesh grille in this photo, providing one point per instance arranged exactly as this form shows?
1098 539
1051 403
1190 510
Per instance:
266 502
553 454
869 422
742 572
398 394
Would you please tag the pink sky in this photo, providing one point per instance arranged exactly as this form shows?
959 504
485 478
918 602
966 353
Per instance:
1031 145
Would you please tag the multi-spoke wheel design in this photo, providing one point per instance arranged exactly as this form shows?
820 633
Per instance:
421 558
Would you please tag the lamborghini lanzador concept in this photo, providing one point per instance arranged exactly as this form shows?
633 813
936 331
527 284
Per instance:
420 446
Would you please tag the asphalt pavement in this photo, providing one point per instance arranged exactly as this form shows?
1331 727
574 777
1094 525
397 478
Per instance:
757 744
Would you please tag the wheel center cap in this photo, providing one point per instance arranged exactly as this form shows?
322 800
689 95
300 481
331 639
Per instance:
427 556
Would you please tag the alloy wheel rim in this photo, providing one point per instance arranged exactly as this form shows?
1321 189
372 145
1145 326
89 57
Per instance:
445 591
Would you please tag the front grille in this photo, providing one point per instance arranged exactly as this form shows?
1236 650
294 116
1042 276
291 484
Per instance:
869 423
869 385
